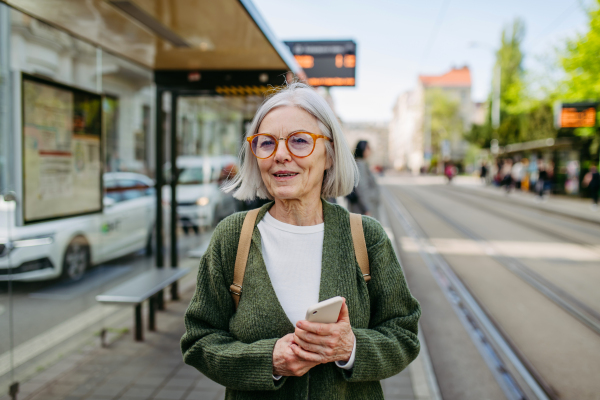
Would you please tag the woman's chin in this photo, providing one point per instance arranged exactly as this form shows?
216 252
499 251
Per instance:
285 193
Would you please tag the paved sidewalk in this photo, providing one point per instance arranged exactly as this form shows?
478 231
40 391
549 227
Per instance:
574 207
153 369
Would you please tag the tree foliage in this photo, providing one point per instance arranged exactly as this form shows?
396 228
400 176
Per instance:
582 61
445 116
522 117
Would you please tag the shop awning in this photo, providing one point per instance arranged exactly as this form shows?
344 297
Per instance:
170 34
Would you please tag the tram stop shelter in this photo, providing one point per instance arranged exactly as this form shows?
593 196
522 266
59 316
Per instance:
192 47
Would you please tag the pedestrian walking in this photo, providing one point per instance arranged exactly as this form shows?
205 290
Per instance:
247 330
483 172
516 174
364 199
591 180
449 171
506 173
542 180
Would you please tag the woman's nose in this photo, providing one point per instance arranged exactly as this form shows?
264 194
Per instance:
282 154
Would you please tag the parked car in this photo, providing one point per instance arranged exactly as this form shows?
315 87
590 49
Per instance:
67 247
200 201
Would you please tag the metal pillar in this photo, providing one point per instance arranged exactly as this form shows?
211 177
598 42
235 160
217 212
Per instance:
152 313
138 328
174 179
159 178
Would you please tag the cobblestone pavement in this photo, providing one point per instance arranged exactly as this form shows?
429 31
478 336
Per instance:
153 369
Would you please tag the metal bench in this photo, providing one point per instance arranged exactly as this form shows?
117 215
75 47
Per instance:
146 286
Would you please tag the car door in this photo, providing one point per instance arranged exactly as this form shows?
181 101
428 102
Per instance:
111 234
133 214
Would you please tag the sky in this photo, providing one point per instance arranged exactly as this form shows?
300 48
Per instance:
397 40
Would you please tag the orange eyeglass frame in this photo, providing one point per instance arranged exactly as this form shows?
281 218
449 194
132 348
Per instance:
314 136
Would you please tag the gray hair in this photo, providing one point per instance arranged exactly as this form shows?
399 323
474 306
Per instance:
339 179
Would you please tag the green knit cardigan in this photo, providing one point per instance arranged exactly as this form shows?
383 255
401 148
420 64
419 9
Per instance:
235 349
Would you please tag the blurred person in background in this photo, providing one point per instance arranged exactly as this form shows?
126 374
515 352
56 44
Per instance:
483 172
540 185
525 181
591 180
516 174
365 197
506 173
449 171
300 253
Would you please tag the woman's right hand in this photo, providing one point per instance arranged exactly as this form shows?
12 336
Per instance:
286 362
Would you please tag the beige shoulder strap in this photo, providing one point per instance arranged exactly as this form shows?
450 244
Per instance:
360 245
242 255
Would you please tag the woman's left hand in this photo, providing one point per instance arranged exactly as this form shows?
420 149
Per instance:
325 343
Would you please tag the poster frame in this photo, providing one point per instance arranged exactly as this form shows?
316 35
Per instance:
34 78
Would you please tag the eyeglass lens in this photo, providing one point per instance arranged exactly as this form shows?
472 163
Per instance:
300 144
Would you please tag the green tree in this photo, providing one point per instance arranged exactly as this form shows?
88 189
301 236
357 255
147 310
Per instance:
582 61
444 112
522 116
510 59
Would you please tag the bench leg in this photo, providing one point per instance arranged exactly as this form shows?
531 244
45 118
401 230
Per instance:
174 291
160 297
138 329
152 313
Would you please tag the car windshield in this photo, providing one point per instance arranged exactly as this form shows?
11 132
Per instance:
191 176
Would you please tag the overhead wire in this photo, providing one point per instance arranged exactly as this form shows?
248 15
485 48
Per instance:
434 32
557 21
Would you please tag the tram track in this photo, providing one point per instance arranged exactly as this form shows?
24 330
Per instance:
581 311
516 376
530 224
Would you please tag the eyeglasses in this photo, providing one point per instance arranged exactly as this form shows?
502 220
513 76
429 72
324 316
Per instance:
299 144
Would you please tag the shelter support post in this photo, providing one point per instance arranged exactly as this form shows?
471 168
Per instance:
159 178
174 179
138 329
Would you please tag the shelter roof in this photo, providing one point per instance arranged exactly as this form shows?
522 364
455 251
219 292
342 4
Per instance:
454 78
170 34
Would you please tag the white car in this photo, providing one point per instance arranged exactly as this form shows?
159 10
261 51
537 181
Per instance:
67 247
200 201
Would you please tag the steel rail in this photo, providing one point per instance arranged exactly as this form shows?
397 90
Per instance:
531 224
581 311
514 373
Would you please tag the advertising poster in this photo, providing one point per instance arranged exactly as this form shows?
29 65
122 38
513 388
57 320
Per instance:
62 167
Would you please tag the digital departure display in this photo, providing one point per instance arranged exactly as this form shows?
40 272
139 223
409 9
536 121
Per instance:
574 118
326 63
575 115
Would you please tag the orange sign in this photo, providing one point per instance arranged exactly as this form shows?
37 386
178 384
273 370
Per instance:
331 81
571 118
305 61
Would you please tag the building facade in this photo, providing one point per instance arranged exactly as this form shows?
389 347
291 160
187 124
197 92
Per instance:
376 133
410 142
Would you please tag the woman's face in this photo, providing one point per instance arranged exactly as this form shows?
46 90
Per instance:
367 152
304 176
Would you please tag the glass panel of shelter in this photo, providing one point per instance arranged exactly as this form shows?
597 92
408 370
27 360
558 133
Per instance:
57 295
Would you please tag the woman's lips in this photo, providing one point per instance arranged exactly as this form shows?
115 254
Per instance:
282 176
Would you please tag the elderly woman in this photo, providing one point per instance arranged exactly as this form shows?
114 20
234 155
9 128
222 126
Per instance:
301 253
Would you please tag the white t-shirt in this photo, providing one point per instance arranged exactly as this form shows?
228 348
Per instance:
293 257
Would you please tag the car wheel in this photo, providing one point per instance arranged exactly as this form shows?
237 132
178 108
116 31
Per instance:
77 259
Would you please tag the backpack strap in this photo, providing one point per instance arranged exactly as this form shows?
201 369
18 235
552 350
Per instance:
242 255
360 245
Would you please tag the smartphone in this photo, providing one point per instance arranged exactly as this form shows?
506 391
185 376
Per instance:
325 312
